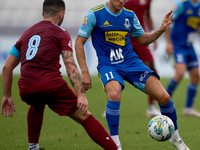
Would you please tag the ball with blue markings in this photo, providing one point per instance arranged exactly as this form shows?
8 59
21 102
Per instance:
161 128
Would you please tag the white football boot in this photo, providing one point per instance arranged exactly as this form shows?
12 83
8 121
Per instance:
119 147
179 144
36 149
191 112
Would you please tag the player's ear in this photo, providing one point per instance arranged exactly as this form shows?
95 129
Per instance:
43 14
60 14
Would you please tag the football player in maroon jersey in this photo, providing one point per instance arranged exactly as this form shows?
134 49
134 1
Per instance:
41 83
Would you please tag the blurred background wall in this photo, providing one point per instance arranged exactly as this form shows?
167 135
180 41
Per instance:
18 15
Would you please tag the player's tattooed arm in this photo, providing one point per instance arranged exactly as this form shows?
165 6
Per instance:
75 79
72 71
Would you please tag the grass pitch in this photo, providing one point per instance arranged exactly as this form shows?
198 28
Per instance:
62 133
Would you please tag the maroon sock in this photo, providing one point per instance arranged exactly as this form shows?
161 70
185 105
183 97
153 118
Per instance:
34 120
151 101
98 133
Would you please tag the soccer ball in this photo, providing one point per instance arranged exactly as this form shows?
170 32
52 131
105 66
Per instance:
161 128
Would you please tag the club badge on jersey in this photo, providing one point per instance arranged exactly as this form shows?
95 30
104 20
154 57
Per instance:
127 24
70 44
84 21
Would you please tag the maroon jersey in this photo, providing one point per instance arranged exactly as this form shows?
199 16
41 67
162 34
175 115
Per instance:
139 7
40 47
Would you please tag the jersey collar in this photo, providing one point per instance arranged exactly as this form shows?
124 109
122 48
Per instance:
112 13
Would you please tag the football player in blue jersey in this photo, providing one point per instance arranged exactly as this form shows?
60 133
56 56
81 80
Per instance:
186 17
109 25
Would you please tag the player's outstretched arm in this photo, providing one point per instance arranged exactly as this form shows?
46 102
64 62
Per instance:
80 55
7 106
148 38
75 79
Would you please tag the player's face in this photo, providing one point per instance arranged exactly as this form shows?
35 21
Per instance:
116 5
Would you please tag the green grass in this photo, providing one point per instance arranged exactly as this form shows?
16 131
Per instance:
62 133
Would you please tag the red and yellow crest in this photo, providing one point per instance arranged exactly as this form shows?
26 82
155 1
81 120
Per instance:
70 44
84 21
174 7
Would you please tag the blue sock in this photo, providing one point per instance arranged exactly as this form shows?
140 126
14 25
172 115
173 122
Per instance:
171 86
170 111
191 92
112 116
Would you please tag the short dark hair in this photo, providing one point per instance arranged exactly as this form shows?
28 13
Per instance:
53 7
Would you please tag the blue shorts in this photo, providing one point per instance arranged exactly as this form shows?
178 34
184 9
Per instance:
136 74
186 55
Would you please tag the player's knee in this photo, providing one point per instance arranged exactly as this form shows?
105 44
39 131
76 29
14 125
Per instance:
79 116
164 99
114 96
180 75
195 79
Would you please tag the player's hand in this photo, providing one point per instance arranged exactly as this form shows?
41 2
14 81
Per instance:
82 103
166 21
86 81
7 107
170 48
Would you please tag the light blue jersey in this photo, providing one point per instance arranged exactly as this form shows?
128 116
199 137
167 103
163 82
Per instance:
116 59
186 16
110 38
110 34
